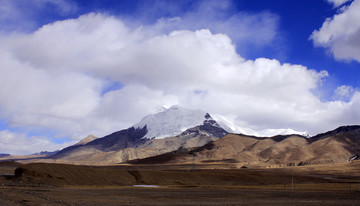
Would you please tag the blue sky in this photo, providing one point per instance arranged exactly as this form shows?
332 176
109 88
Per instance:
71 68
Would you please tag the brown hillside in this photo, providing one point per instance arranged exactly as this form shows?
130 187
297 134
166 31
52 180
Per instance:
275 151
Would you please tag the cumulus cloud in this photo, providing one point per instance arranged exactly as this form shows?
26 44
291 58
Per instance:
21 144
344 93
62 86
123 108
256 29
33 97
341 33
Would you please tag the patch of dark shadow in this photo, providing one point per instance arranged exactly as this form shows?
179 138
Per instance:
4 155
208 146
355 157
7 176
137 176
244 167
216 131
251 146
188 186
250 136
349 145
207 116
19 172
24 201
159 159
222 161
130 137
64 151
40 190
303 163
342 129
280 138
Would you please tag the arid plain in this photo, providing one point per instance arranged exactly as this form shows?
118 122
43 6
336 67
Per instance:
178 184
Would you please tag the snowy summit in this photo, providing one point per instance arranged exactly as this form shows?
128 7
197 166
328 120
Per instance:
180 119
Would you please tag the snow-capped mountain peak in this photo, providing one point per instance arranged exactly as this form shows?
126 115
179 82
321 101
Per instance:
171 122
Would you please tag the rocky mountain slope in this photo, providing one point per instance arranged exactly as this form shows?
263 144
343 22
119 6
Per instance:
86 140
337 146
173 128
4 155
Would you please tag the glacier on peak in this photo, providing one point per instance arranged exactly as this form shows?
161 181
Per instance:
177 119
181 118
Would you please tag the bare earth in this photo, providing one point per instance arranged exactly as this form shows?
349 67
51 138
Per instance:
56 184
173 196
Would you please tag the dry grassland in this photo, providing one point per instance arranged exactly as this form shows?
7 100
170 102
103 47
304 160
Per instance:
57 184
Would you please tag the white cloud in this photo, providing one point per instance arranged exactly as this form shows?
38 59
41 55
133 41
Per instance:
123 108
20 144
41 98
343 93
250 31
243 28
338 3
341 33
60 86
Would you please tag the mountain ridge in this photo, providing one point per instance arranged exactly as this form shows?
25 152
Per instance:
286 150
134 142
171 122
210 142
